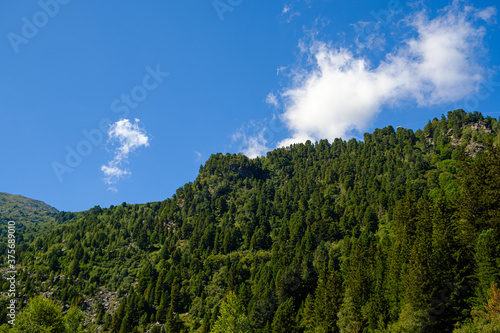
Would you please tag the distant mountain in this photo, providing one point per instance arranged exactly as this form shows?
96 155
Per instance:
21 209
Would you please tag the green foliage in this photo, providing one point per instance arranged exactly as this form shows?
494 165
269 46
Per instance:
410 320
284 318
485 318
349 317
398 232
486 267
232 318
73 320
41 316
21 209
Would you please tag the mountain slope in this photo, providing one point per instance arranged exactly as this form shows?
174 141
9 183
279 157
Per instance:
342 236
21 209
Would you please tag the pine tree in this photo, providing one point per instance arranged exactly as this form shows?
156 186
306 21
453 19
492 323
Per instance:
173 323
349 321
161 312
308 315
327 302
126 325
118 317
284 318
486 269
232 317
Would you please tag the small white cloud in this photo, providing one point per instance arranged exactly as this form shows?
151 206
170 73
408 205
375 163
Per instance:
114 171
488 14
257 138
272 99
129 137
255 145
199 156
289 12
252 145
280 69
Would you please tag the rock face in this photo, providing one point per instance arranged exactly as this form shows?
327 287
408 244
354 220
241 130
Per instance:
109 299
472 148
480 125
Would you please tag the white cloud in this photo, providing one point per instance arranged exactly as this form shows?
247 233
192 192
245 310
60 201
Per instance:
488 14
343 92
114 171
253 145
280 69
129 137
199 156
289 12
257 138
272 99
369 36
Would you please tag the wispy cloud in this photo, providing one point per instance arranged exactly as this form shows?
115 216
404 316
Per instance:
254 144
257 138
199 156
340 92
369 36
129 137
289 12
272 100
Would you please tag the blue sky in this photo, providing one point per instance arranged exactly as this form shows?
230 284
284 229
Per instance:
106 102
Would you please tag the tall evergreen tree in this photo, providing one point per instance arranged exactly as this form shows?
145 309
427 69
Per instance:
232 317
284 319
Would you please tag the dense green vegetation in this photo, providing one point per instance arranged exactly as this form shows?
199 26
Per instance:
22 209
32 217
395 233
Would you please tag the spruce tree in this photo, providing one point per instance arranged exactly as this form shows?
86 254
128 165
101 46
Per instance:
284 318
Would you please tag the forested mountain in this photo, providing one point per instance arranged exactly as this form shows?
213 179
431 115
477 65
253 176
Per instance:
395 233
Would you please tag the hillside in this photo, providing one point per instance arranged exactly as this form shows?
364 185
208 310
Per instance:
33 218
21 209
399 232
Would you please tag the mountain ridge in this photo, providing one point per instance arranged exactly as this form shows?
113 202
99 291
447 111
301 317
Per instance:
322 236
